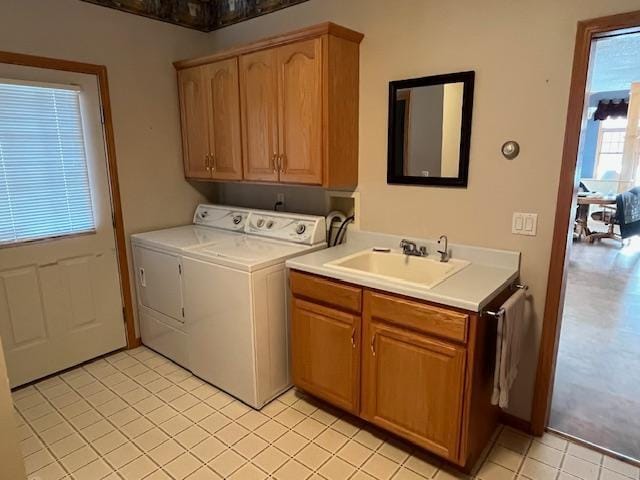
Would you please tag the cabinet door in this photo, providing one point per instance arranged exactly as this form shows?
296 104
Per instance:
193 115
326 353
223 104
300 112
413 386
259 97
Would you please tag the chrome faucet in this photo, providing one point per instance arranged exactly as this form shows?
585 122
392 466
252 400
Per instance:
444 254
410 248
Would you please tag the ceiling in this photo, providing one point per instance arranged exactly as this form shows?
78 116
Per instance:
204 15
615 63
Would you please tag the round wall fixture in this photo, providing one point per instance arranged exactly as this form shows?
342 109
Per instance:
510 149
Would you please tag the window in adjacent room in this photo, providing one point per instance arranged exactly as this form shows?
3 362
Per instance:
44 183
610 149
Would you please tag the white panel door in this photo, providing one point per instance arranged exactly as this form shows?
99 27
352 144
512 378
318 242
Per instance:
60 300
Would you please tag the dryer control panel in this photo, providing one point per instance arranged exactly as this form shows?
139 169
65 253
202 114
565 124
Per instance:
303 229
225 218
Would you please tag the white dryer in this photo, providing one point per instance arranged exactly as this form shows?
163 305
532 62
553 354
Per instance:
157 260
235 301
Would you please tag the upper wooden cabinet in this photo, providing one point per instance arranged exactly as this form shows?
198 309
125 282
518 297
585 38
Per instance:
223 113
259 93
193 116
298 110
210 114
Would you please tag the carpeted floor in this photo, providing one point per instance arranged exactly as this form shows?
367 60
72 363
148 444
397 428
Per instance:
597 386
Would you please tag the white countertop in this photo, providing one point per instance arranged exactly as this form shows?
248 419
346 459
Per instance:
472 288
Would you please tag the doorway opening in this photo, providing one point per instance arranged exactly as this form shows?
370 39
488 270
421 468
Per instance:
588 382
596 395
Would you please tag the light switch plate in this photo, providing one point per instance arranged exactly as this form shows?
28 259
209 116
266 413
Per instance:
524 224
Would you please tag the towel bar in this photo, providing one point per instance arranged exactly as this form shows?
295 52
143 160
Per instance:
498 313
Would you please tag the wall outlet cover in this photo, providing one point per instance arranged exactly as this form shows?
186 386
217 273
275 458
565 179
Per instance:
524 224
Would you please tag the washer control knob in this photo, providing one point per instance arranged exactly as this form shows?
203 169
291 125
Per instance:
237 219
270 224
204 214
260 223
300 229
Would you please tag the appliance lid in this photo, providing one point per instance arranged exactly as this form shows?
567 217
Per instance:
249 250
185 237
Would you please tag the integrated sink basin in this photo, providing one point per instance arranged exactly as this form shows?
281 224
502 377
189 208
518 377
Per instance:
395 266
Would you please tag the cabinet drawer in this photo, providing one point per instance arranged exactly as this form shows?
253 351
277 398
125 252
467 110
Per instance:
324 291
417 316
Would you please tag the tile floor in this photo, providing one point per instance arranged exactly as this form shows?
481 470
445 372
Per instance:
135 415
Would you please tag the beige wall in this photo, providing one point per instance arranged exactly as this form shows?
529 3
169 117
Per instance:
522 53
11 464
138 53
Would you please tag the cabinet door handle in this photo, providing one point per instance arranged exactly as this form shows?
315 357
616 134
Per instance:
213 162
283 162
373 344
206 163
353 337
274 160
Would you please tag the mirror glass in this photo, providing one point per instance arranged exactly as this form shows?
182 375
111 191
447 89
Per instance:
429 129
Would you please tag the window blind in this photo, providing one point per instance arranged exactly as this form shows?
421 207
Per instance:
44 184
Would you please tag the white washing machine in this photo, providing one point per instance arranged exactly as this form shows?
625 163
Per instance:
235 301
157 260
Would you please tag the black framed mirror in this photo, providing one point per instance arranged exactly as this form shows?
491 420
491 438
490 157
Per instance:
430 130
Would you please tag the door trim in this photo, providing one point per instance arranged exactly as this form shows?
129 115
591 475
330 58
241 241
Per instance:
100 72
565 204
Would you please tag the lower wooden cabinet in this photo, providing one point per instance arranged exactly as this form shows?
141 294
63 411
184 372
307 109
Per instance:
412 385
420 371
319 334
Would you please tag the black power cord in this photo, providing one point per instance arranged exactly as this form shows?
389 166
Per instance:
342 230
334 219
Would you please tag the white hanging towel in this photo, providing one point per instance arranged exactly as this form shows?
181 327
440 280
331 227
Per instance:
511 330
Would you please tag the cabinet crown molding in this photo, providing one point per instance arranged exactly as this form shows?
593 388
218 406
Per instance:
313 31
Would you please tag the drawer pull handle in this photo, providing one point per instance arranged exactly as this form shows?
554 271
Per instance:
373 344
353 337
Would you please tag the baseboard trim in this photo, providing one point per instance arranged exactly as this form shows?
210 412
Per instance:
516 422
